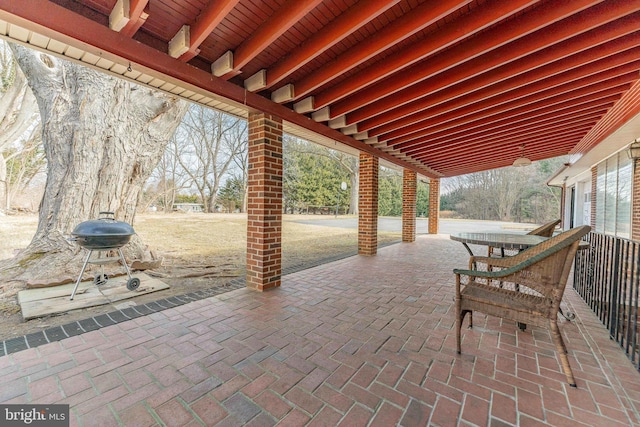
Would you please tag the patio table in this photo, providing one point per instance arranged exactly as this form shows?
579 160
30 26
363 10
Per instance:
501 240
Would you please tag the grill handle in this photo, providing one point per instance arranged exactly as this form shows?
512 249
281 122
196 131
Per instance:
106 215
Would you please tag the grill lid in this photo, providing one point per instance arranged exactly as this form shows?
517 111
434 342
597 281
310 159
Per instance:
105 225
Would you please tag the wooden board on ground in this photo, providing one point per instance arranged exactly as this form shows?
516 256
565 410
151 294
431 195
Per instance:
44 301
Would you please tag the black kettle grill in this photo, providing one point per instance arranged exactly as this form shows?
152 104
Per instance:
103 234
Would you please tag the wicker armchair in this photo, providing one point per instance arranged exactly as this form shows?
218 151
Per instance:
545 230
526 287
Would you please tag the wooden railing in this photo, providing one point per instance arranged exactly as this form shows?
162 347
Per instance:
607 276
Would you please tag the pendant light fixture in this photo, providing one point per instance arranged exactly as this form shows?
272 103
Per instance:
522 160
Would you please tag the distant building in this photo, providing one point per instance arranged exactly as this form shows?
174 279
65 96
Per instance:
188 207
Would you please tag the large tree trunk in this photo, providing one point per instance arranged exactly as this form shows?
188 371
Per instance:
18 112
102 137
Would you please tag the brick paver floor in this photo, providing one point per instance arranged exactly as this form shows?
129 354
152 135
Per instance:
360 341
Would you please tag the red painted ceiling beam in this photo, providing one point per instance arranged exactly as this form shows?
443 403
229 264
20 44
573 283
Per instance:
480 18
507 151
520 54
471 57
205 23
560 128
552 127
398 30
345 24
481 145
542 90
509 124
466 165
524 113
137 17
626 108
482 164
283 19
603 56
496 146
511 151
486 109
505 130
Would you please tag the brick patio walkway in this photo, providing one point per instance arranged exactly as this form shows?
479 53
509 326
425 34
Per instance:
361 341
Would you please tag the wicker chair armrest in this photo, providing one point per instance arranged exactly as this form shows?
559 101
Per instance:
493 261
497 274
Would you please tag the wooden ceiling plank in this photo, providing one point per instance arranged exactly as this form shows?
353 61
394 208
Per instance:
581 79
479 19
628 107
483 164
207 20
424 146
521 114
469 57
555 148
567 116
600 57
533 51
504 155
486 161
342 26
283 19
479 147
561 124
398 30
475 146
499 148
536 100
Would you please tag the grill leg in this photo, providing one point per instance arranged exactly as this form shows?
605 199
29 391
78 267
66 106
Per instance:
84 266
124 262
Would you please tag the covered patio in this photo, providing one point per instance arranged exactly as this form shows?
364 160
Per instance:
433 88
360 341
437 89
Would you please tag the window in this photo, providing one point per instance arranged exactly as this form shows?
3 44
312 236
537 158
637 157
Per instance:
613 196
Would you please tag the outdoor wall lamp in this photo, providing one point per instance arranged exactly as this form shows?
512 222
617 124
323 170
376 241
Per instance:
634 149
522 160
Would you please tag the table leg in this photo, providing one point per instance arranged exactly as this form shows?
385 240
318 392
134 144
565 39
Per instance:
467 248
475 267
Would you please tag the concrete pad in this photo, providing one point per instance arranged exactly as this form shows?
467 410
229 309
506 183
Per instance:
44 301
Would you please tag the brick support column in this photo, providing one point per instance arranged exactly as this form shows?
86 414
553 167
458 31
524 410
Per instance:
368 205
409 189
264 207
434 205
635 201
